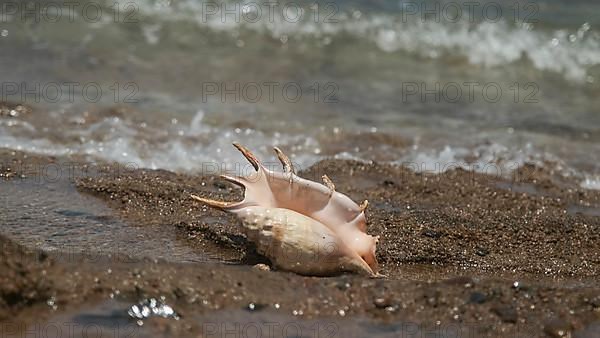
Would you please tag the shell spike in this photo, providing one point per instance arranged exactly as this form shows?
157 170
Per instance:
288 167
248 155
329 183
235 180
216 204
364 206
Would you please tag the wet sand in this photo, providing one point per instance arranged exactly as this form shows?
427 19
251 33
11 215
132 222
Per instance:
463 252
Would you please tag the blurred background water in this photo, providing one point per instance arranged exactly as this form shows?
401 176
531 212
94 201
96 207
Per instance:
419 82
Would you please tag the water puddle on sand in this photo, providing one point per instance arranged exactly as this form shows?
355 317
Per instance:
575 209
111 319
56 218
521 188
107 319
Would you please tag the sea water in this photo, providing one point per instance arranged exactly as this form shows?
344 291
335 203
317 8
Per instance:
433 84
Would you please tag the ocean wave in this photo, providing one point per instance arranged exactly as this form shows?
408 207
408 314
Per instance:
485 43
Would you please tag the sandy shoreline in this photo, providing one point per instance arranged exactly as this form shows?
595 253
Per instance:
488 255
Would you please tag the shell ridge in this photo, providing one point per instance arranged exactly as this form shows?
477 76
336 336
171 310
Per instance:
282 195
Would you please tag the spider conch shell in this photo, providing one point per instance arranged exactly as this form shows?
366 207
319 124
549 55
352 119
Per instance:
300 225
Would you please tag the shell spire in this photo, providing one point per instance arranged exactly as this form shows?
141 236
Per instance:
318 208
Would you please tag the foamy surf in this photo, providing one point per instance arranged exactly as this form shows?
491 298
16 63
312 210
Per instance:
193 148
198 147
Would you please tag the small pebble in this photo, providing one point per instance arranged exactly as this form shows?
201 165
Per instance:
479 251
255 307
382 303
431 233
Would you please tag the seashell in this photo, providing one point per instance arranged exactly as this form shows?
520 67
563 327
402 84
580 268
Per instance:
300 225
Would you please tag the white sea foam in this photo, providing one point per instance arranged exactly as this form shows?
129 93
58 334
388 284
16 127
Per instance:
487 43
591 182
492 159
199 147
